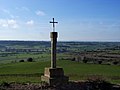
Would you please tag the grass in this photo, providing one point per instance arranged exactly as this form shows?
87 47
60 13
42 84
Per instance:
35 56
24 56
20 79
75 71
78 71
23 67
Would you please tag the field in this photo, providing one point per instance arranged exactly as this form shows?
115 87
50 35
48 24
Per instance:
69 56
31 71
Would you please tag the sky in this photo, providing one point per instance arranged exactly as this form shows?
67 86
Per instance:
78 20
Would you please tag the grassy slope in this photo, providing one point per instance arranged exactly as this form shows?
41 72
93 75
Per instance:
78 71
75 70
23 68
36 57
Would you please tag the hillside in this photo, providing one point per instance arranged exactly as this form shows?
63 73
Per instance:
31 71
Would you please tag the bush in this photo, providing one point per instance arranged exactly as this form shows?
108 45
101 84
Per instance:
5 84
21 61
99 62
73 59
30 60
85 61
115 62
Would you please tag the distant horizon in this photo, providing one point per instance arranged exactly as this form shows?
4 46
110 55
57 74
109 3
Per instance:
59 41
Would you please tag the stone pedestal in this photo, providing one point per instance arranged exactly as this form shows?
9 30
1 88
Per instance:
54 76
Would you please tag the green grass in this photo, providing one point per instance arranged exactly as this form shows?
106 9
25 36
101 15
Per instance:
78 71
20 79
75 71
24 56
35 56
23 67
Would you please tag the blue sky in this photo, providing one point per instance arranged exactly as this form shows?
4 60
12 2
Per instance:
78 20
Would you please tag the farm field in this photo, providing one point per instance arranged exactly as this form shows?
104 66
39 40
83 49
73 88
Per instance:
31 71
70 56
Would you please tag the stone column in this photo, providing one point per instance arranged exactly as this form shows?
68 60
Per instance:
53 36
54 75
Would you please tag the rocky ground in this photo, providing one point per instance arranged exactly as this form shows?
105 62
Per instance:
88 85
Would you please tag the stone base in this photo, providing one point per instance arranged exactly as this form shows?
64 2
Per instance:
54 76
55 81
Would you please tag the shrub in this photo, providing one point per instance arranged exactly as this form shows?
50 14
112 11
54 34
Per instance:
100 62
115 62
85 61
21 61
30 60
5 84
73 59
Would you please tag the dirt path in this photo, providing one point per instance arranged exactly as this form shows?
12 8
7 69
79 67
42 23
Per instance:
69 86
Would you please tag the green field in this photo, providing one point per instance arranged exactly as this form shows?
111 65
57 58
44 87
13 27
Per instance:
31 71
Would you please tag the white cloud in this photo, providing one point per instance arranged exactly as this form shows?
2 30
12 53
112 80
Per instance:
6 11
31 22
10 23
22 8
15 26
40 13
4 25
25 8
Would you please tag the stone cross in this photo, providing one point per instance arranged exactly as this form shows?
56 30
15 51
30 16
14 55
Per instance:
53 24
53 36
54 75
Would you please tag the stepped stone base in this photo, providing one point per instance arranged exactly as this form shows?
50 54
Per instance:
54 76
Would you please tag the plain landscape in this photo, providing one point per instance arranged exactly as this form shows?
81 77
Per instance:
24 61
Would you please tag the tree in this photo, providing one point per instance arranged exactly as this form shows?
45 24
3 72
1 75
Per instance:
99 62
21 61
85 61
30 60
73 59
115 62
